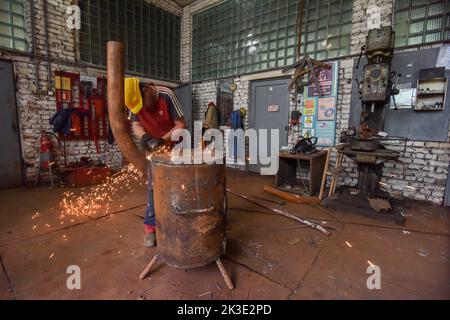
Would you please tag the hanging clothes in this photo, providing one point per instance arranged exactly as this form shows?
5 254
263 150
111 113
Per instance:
211 117
236 123
62 120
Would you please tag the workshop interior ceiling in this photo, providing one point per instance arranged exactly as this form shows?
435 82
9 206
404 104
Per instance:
183 3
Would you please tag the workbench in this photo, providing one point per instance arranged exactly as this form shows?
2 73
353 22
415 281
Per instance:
313 164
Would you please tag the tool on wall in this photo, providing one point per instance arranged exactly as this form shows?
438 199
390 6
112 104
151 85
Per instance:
306 73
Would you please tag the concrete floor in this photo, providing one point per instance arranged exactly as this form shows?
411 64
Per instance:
268 256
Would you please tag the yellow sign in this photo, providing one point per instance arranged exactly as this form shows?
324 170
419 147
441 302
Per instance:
62 83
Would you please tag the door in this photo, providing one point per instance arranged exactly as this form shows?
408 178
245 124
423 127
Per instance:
10 155
269 109
184 95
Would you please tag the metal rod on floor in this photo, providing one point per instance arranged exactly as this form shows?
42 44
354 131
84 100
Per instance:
225 275
281 212
148 268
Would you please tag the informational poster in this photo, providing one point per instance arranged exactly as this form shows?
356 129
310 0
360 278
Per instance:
308 133
327 109
325 132
319 110
310 107
325 78
309 122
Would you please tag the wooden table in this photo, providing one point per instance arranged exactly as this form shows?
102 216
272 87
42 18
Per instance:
288 166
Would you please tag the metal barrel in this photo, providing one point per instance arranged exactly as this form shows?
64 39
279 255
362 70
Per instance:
190 208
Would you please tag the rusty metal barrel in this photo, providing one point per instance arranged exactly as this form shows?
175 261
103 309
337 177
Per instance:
190 208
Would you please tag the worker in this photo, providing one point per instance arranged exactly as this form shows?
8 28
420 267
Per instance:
155 115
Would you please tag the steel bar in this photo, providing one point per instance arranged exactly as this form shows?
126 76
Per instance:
148 268
281 212
225 275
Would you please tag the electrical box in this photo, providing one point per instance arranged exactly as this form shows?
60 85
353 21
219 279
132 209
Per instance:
375 83
431 90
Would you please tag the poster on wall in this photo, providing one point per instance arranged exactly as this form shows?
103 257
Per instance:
319 112
325 77
309 122
308 133
310 107
327 109
325 132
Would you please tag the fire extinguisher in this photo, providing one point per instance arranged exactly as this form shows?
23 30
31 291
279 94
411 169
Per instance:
46 148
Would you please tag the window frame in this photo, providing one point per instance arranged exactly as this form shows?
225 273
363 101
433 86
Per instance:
152 36
444 30
12 26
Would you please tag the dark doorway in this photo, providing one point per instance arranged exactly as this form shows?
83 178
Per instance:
10 154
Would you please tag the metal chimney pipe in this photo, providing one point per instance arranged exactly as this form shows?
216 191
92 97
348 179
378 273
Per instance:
117 117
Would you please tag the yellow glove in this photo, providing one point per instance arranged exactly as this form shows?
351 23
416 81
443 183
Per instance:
133 97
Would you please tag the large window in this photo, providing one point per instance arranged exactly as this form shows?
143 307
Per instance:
327 26
243 36
12 25
150 34
421 21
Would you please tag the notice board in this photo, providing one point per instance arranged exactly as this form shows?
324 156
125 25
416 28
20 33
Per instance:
319 112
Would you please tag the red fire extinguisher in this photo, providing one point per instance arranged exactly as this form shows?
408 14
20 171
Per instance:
46 149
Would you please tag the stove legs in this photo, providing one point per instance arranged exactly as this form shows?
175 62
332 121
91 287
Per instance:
219 263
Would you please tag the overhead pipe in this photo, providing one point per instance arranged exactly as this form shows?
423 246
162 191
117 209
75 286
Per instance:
47 47
31 4
117 119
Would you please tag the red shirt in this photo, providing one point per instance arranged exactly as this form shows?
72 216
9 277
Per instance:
158 121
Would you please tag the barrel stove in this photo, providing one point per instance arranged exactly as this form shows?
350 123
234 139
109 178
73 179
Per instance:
190 208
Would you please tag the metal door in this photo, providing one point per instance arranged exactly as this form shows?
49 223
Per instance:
269 109
184 95
10 154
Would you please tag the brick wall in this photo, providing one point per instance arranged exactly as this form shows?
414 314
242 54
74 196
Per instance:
35 107
425 163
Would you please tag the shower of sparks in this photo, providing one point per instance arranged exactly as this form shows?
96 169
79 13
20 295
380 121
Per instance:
92 201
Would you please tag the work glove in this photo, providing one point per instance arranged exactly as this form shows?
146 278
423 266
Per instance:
150 144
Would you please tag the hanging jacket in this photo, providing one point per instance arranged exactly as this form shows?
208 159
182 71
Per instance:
211 118
62 122
236 120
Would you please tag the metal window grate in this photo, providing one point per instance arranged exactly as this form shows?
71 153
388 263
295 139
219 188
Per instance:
239 37
327 28
12 25
150 34
421 21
